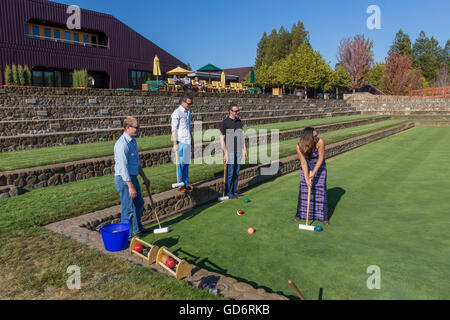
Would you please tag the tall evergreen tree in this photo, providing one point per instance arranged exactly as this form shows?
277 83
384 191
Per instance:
261 50
278 45
285 42
428 56
298 36
401 44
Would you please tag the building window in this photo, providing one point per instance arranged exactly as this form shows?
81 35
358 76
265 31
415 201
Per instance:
137 78
94 41
38 79
57 35
36 32
47 33
27 30
46 78
76 38
68 37
86 39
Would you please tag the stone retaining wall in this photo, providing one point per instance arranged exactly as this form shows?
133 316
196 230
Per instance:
56 174
39 126
35 112
401 105
171 202
23 142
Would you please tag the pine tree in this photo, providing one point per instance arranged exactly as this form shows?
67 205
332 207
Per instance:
8 76
261 50
428 56
401 44
298 36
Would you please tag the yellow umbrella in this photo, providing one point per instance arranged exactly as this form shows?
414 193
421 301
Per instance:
156 69
179 71
222 79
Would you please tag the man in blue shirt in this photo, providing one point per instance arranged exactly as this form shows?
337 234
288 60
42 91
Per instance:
126 168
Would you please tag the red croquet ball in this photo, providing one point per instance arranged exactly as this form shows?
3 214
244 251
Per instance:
239 212
138 247
170 263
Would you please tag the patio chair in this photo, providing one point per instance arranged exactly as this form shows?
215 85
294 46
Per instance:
172 86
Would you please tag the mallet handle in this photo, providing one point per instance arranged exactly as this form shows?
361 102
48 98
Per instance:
224 175
309 197
176 163
296 290
151 200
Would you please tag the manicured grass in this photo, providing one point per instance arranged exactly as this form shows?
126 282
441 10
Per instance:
34 260
44 156
389 206
46 205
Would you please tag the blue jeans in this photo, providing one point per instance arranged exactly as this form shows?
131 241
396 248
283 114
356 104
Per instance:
131 208
184 158
232 178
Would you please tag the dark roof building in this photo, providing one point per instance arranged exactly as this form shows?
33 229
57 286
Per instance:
35 33
240 72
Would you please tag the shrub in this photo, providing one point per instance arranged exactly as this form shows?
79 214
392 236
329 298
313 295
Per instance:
80 78
15 75
21 75
8 76
27 74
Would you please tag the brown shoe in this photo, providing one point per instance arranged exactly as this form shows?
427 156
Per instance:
182 189
190 187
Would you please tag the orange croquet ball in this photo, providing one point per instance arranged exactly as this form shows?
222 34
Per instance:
250 230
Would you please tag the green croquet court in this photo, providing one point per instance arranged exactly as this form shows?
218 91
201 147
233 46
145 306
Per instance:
388 207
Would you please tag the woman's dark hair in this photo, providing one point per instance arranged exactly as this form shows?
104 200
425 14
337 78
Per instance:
306 143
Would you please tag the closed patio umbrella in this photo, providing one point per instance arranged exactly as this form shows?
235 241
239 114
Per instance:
156 69
222 79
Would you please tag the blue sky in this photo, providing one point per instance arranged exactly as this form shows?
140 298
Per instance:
226 33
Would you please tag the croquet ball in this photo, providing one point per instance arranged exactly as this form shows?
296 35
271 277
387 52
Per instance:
251 230
240 212
318 228
246 200
138 248
170 263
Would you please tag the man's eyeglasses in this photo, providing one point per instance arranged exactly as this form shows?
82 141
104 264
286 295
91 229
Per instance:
137 127
236 111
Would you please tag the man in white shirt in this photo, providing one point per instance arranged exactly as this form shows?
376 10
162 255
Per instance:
182 139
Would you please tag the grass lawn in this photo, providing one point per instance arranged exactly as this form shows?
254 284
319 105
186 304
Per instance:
34 260
389 205
44 156
50 204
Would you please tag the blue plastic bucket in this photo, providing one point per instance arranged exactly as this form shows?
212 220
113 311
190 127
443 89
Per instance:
115 241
